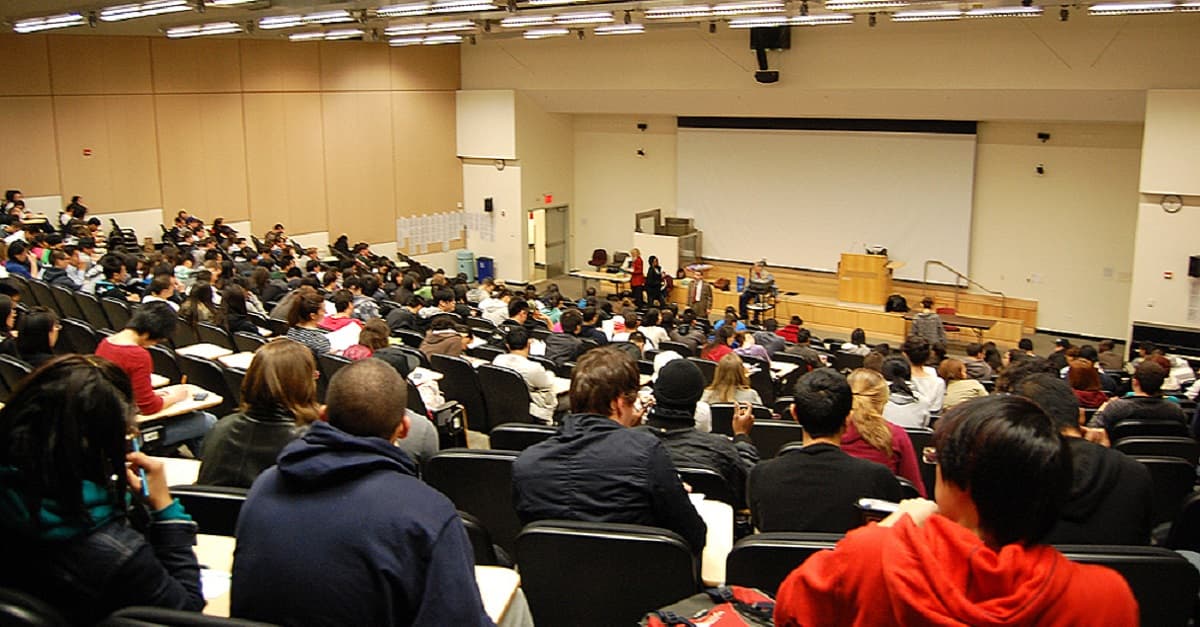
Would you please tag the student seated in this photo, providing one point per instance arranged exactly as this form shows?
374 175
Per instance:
38 334
930 387
304 320
341 531
542 400
816 487
731 383
64 460
905 407
976 557
960 386
1146 403
567 345
871 437
595 468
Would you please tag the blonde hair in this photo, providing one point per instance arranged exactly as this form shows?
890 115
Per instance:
730 377
870 391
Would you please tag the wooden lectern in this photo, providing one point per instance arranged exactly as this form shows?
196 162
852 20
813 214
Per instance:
865 278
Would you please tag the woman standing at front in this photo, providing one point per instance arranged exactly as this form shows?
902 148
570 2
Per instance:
654 283
637 278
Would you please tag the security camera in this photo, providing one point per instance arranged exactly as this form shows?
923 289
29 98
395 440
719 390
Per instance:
1040 169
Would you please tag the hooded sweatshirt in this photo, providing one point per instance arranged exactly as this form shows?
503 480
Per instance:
1111 499
357 538
447 342
943 574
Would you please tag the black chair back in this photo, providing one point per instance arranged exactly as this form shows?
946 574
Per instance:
278 328
214 508
908 489
629 569
707 368
760 379
1185 531
460 383
42 295
1183 447
410 338
770 436
118 312
12 371
210 333
783 406
843 362
481 540
711 484
149 616
507 395
515 436
1173 480
64 298
475 322
329 364
485 352
545 363
244 342
1147 428
764 560
207 374
76 336
684 350
165 363
234 378
644 367
93 313
18 609
478 482
184 335
23 288
1163 582
922 437
411 353
722 416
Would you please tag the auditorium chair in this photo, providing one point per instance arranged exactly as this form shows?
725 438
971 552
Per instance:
481 541
184 335
486 352
207 374
42 296
12 371
602 574
764 560
599 259
907 489
1183 447
722 416
210 333
1173 479
708 368
410 338
1163 582
93 313
478 482
711 484
460 383
117 311
18 609
149 616
516 436
760 379
1185 531
922 437
679 347
244 342
64 298
845 362
165 363
770 436
76 336
214 508
1143 428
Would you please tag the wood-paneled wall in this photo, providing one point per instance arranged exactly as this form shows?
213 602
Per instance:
328 136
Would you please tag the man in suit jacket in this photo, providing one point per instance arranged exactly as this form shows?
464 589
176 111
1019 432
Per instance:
699 295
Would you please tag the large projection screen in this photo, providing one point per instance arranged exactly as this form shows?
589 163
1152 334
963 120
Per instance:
801 198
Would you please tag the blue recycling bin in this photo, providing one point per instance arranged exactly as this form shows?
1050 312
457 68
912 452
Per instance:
484 268
466 264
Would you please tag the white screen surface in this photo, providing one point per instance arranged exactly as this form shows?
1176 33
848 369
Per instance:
802 198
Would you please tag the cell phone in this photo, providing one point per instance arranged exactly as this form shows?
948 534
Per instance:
875 510
199 396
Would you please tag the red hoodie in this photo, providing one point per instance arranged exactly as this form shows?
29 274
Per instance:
942 574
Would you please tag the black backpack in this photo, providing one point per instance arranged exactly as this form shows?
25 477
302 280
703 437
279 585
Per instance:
896 303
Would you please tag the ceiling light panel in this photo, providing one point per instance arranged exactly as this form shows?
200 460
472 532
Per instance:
544 33
204 30
293 21
864 5
432 27
620 29
432 8
1005 12
50 22
798 20
135 10
1131 8
430 40
940 15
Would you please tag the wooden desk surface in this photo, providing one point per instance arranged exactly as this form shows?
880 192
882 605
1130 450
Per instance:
187 405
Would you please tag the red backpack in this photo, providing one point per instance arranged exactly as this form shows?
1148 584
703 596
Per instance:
726 606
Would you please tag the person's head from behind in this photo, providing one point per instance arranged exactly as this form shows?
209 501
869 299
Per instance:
66 424
1055 398
517 340
308 308
1089 352
1025 344
154 321
38 332
897 371
113 267
678 386
952 370
282 376
730 376
1083 376
605 382
873 361
343 302
1149 376
858 337
374 334
8 313
927 303
518 309
974 349
162 286
1002 468
1106 345
870 391
821 403
917 349
803 336
367 399
571 321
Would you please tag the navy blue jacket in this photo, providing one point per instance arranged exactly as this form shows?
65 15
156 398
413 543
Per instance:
596 470
341 532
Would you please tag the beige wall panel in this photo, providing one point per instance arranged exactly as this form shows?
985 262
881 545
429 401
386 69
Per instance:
24 65
100 65
354 66
82 124
285 162
29 163
428 174
195 65
425 67
134 149
203 155
358 166
280 66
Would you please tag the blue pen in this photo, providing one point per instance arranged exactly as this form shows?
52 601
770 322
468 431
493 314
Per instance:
137 448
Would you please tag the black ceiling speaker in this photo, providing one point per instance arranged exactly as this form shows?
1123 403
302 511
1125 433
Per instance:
771 38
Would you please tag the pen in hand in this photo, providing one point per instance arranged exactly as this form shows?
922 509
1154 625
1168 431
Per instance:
137 448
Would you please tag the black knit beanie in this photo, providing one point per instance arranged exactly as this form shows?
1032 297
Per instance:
679 385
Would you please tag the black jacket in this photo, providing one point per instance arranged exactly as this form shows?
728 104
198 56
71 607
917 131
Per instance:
561 348
1137 407
341 532
242 445
596 470
58 276
690 448
815 488
1111 500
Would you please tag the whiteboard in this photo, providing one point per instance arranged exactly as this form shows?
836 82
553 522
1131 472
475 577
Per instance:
802 198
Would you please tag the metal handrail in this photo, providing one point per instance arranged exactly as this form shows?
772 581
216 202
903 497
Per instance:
960 276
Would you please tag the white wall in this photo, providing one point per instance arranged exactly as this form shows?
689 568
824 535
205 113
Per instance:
507 249
486 124
1171 165
545 147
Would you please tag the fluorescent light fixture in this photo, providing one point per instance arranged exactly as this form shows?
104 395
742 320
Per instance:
292 21
864 5
431 40
135 10
204 30
527 20
543 33
328 35
798 20
1189 7
35 24
680 11
938 15
227 3
1131 8
316 35
748 8
620 29
430 8
1005 12
583 18
550 3
432 27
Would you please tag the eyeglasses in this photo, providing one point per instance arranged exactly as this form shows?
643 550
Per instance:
929 455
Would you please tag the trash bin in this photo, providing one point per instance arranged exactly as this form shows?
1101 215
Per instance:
484 269
741 283
466 264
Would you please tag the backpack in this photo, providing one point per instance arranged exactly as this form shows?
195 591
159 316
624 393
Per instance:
896 303
726 606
